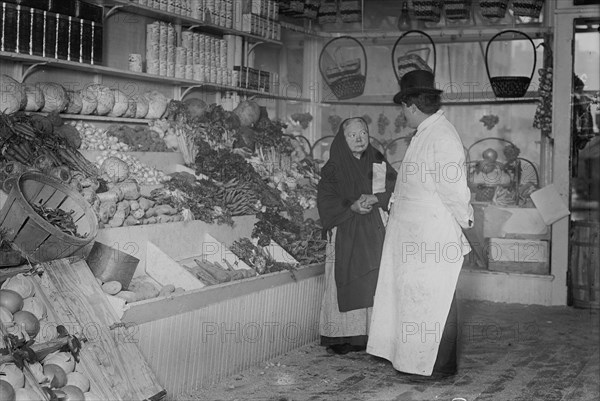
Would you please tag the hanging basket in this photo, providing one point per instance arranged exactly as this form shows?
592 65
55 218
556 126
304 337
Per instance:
527 8
411 61
457 9
493 9
510 86
345 77
426 10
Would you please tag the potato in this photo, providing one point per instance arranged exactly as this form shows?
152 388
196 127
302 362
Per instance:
112 287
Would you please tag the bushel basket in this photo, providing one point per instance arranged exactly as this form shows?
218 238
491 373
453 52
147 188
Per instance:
412 61
510 86
493 9
346 79
426 10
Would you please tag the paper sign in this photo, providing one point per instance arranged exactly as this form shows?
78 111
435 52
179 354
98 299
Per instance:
549 203
379 172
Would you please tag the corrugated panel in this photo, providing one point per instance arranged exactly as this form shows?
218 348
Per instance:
199 348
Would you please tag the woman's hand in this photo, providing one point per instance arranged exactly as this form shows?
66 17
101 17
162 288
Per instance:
361 206
369 200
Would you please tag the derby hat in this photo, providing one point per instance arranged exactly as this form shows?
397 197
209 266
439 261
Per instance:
414 83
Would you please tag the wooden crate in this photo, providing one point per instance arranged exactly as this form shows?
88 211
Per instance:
110 358
518 256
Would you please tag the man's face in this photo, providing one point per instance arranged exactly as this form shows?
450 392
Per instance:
357 137
410 115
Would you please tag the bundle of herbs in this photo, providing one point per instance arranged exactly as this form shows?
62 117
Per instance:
255 257
300 238
184 192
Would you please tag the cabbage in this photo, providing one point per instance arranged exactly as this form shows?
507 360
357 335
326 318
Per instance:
157 104
131 108
120 105
105 97
12 95
89 101
56 98
196 107
142 105
35 98
75 103
248 111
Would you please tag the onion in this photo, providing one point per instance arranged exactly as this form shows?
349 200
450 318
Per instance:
11 300
55 374
35 306
26 394
5 316
28 322
62 359
89 396
37 370
23 285
73 393
78 380
13 375
7 392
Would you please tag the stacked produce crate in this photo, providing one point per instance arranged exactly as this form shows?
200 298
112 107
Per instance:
65 29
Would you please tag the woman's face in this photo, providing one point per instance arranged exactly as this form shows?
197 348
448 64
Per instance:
357 137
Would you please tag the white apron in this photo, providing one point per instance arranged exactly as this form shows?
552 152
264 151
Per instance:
422 253
332 322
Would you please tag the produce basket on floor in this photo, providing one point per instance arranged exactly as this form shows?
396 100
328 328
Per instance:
46 219
510 86
343 72
414 59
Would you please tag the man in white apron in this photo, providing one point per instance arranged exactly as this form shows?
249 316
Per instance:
413 324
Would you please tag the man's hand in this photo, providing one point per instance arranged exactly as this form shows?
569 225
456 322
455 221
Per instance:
360 206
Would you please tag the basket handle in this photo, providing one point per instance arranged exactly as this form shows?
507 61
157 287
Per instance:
331 41
396 46
487 48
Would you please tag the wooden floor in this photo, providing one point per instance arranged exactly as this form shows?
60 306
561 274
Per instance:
508 352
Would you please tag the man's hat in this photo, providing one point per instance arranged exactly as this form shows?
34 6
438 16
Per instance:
414 83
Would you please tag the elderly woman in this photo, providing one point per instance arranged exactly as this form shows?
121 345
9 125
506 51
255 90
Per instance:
355 187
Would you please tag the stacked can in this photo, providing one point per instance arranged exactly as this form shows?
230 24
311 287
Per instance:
209 9
152 48
197 9
229 14
180 59
163 5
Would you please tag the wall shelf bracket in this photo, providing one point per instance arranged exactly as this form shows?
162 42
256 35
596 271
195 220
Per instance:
30 69
113 10
188 89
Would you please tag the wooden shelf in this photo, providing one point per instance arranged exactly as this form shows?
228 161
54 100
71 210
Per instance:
448 99
92 117
183 20
138 76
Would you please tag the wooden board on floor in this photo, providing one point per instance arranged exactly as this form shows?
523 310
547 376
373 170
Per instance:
110 358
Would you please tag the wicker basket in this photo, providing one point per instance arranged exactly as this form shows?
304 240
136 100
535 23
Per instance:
510 86
485 193
457 9
40 240
346 79
411 61
527 8
493 9
426 10
328 12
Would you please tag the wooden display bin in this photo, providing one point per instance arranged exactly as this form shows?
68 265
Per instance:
203 335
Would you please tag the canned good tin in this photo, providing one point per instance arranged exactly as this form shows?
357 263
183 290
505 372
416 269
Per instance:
162 67
180 55
152 66
163 5
171 70
198 72
189 72
135 62
179 71
187 39
213 75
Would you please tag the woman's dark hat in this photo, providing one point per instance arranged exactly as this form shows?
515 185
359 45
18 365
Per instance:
416 82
